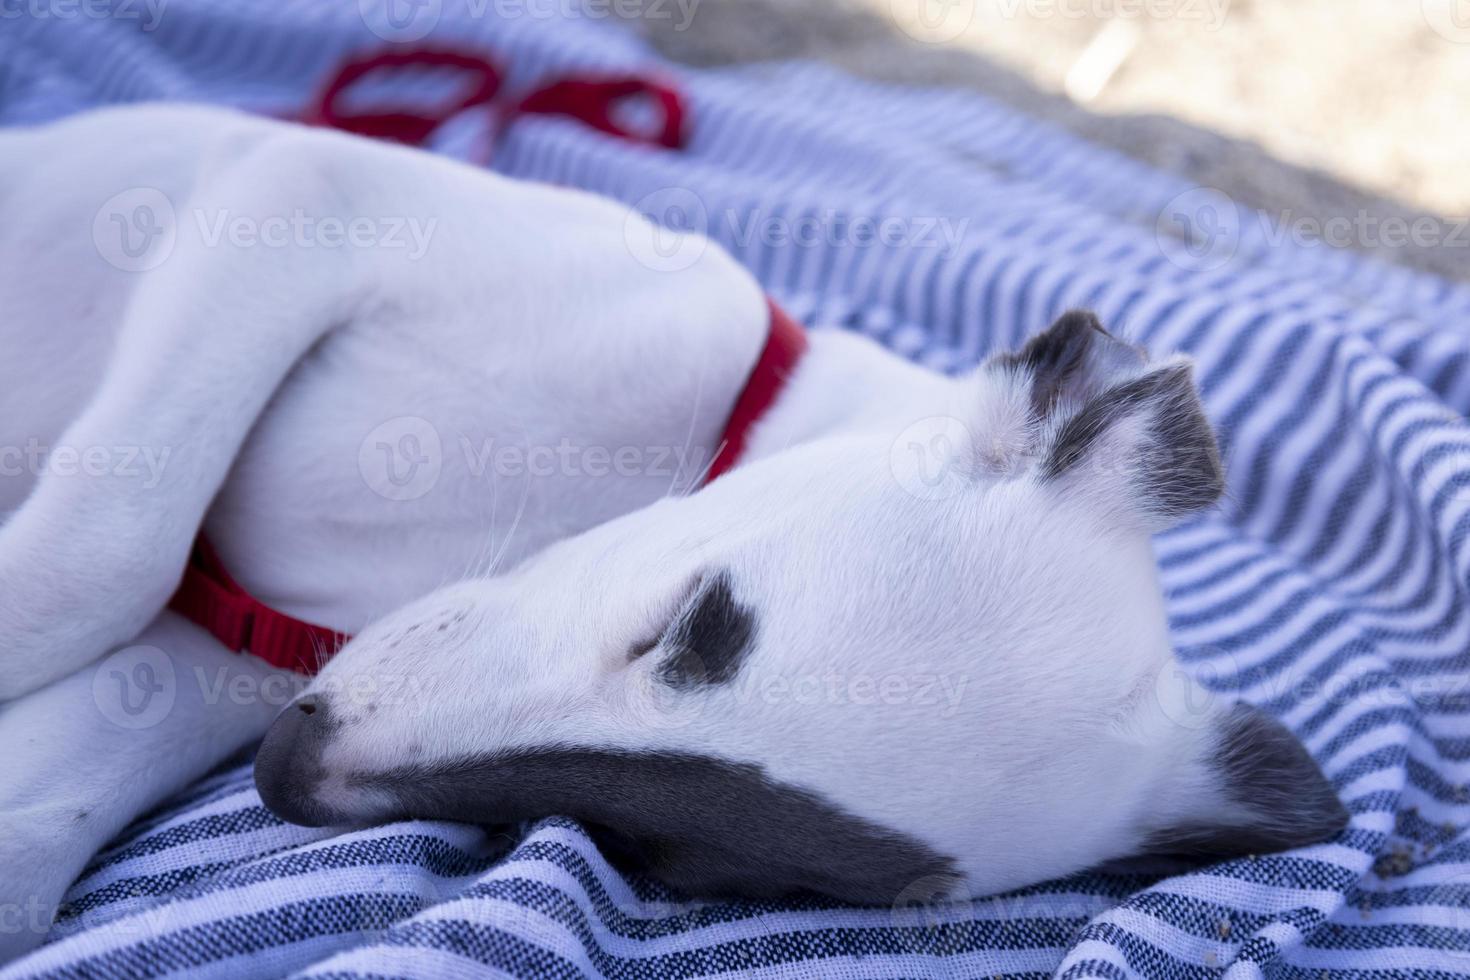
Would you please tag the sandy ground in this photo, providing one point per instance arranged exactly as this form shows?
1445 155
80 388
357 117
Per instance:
1366 89
1357 110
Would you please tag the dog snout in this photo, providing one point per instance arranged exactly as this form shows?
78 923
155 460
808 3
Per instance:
288 767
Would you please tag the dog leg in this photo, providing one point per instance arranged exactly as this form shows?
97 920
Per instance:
89 560
89 753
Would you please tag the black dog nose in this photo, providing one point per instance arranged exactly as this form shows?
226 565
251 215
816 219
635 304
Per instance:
288 767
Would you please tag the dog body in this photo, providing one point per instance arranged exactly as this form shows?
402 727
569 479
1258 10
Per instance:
916 635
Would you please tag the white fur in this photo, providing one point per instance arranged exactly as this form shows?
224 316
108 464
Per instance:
1022 621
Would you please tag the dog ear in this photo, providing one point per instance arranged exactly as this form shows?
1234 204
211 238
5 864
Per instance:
1070 362
1142 448
1130 434
1251 789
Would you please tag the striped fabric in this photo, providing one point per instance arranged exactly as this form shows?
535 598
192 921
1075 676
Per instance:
1331 588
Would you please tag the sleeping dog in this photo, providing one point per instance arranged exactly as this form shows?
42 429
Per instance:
916 632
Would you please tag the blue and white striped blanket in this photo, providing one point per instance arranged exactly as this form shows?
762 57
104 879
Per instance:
1331 588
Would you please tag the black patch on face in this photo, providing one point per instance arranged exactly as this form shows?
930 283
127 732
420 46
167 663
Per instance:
1176 466
700 824
1264 769
709 641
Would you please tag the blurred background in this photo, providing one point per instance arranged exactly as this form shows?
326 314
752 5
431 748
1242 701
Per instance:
1309 110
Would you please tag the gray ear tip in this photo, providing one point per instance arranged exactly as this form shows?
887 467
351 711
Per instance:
1192 475
1269 772
1080 320
1113 355
1273 797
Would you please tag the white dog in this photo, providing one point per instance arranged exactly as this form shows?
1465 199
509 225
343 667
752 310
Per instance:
917 632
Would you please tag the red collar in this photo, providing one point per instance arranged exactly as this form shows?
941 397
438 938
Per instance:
210 597
785 343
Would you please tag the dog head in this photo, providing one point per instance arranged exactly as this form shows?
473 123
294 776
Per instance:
912 649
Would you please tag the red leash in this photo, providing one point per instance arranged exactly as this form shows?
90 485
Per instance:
591 100
208 595
403 126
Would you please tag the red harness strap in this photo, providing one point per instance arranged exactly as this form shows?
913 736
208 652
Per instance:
214 600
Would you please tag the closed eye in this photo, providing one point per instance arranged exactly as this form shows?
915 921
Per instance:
710 638
672 613
643 647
